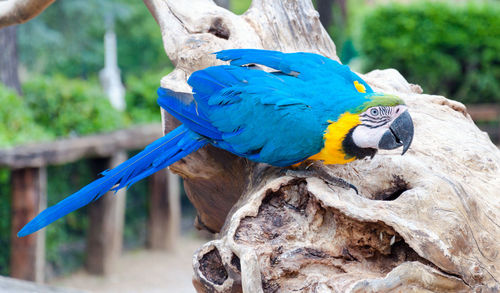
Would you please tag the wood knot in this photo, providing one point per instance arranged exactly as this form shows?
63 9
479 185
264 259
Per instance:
219 29
212 268
397 187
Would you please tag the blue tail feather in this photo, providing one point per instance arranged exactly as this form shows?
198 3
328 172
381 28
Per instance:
156 156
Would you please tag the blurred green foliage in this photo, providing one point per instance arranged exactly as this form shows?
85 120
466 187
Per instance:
141 96
70 106
55 106
140 46
67 38
17 124
239 6
448 49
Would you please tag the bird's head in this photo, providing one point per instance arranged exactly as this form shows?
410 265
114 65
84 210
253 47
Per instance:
382 121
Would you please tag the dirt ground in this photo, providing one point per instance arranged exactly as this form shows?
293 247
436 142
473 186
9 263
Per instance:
142 271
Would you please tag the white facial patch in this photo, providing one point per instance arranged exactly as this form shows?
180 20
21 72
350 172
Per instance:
365 137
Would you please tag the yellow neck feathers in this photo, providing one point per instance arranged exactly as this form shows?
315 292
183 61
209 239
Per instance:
335 133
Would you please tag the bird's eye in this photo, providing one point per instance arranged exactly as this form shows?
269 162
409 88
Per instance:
374 111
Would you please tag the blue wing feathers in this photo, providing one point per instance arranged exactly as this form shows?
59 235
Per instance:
187 113
233 98
239 57
211 80
308 65
226 96
284 62
158 155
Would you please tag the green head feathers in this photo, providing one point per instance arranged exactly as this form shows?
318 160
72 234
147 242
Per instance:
378 99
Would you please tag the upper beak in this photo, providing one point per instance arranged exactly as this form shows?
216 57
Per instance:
400 133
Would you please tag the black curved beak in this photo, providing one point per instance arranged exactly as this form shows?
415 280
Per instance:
400 133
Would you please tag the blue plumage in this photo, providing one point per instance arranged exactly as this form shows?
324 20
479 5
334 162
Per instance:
273 117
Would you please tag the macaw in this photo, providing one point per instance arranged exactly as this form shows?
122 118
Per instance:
307 108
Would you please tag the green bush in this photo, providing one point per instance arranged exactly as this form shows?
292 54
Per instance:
141 96
70 106
448 49
17 123
140 46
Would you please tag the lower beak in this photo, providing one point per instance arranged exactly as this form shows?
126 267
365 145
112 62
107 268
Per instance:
400 133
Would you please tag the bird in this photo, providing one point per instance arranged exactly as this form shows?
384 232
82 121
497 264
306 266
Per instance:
281 109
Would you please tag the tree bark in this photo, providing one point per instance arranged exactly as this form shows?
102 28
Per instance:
8 59
426 221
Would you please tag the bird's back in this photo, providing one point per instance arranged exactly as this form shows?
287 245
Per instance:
273 117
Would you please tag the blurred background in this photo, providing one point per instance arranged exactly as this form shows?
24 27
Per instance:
77 70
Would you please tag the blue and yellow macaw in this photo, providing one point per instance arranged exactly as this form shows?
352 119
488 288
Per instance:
309 108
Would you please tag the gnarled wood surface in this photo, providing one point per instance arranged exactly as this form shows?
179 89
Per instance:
426 221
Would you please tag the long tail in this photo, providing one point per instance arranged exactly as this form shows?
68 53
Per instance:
156 156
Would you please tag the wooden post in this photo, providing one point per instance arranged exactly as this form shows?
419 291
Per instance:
28 199
164 211
105 233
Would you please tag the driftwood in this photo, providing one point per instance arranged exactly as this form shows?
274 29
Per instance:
426 221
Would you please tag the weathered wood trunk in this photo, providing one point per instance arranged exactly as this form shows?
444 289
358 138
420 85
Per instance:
426 221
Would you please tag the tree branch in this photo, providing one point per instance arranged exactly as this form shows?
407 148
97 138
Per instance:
20 11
